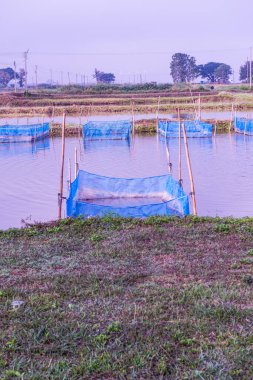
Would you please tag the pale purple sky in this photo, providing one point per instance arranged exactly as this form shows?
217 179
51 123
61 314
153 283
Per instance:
127 37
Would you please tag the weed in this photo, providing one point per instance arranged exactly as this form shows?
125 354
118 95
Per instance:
96 238
222 228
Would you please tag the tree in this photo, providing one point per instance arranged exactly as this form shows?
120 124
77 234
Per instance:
183 68
6 75
102 77
208 71
245 71
222 73
21 77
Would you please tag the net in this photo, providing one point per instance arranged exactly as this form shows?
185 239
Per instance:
23 133
113 130
243 125
193 128
95 195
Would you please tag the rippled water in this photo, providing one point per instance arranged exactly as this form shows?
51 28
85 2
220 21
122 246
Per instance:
222 168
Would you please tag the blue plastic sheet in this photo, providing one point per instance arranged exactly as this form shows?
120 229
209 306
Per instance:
95 195
193 128
23 133
110 130
243 125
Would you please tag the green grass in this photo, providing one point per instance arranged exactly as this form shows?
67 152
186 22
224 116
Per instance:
113 298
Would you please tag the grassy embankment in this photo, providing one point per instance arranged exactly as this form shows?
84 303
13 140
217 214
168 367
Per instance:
128 299
90 104
141 127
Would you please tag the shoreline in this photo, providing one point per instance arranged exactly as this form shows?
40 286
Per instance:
147 126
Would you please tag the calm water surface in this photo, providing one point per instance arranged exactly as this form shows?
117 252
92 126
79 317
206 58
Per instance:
222 169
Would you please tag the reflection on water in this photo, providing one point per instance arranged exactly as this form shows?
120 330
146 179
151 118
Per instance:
222 168
102 145
13 149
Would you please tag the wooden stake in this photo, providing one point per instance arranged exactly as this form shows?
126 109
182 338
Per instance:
133 121
53 114
190 171
76 163
199 116
167 149
157 115
62 166
231 117
245 127
215 128
69 180
179 151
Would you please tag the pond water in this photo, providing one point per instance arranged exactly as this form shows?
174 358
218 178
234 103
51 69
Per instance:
226 115
222 168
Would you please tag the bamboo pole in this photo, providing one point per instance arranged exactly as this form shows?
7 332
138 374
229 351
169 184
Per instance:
215 128
231 117
179 151
62 166
80 124
190 171
245 127
167 148
199 116
133 120
76 163
157 114
69 167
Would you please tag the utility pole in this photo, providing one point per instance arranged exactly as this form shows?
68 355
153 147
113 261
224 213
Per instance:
15 76
247 69
51 77
36 77
69 78
76 79
250 69
25 58
61 78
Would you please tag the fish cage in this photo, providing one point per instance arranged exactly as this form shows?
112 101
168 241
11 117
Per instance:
107 130
243 125
96 195
23 133
193 128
